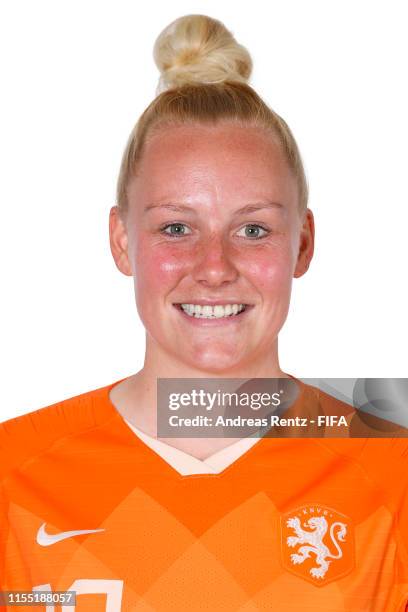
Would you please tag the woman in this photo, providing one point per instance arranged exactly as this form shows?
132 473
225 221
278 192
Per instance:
212 222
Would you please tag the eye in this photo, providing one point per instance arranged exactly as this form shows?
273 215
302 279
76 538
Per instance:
175 229
253 231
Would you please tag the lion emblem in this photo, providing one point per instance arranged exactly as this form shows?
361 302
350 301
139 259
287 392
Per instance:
311 541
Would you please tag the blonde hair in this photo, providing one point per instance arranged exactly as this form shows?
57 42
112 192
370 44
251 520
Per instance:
204 79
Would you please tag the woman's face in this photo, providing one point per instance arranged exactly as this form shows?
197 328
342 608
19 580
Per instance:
213 220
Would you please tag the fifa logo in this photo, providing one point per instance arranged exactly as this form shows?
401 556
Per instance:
317 543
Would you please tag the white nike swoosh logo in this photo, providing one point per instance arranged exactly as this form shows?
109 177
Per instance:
46 539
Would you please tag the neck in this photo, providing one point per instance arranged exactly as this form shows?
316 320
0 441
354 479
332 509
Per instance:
136 397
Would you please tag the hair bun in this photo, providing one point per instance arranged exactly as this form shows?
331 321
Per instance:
196 49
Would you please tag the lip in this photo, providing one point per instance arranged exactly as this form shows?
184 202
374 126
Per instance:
216 322
208 302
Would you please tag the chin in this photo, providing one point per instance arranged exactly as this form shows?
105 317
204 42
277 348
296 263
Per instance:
216 362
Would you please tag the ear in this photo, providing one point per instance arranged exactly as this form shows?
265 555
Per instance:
118 240
306 244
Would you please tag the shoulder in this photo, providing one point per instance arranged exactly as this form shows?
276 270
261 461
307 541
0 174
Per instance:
28 435
362 423
383 460
378 446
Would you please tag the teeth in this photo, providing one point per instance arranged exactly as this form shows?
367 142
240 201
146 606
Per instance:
212 312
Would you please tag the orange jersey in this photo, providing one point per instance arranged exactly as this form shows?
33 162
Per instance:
292 524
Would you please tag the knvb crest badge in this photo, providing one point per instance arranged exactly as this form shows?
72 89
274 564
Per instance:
317 543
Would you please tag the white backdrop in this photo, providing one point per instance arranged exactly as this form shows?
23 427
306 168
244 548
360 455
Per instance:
76 75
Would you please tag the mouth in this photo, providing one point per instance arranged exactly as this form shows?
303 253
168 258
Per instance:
214 312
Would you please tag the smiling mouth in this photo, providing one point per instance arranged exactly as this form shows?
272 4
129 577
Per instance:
215 311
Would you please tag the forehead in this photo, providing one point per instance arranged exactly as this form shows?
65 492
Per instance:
228 160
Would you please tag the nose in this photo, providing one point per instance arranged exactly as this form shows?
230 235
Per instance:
213 265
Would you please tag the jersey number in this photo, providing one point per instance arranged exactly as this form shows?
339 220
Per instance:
112 588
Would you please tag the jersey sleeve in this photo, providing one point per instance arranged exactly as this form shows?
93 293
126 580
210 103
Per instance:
386 462
4 526
3 534
402 525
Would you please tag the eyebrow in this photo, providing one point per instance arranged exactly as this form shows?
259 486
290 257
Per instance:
249 208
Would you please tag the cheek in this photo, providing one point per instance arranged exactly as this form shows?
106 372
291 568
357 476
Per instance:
270 269
158 266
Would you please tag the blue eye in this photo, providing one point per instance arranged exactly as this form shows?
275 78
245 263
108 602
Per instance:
253 231
179 229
